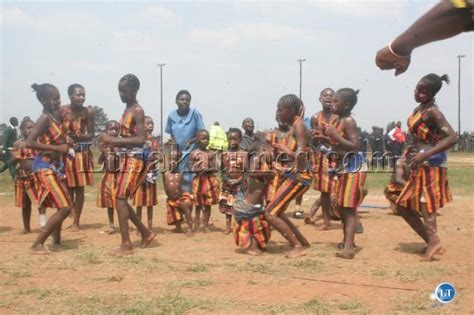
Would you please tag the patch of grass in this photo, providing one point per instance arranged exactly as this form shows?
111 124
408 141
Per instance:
18 274
315 306
378 272
134 260
39 293
191 283
90 257
197 268
412 274
308 264
349 306
414 303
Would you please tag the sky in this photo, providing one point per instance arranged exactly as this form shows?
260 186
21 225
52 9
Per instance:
236 58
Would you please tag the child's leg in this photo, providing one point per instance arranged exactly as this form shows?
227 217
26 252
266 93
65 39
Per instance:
412 218
42 216
147 235
281 226
78 205
228 223
26 214
326 206
57 235
206 216
186 206
350 220
197 218
150 217
314 209
296 232
139 213
253 248
110 214
53 223
298 201
434 242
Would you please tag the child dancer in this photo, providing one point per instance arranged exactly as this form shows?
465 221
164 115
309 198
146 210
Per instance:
234 183
397 182
205 187
108 182
297 178
145 196
132 165
48 138
25 189
78 125
323 180
252 230
179 202
427 187
344 137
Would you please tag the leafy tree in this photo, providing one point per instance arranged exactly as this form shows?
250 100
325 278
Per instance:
100 118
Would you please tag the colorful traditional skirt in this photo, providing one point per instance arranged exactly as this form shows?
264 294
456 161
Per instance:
107 189
322 181
205 190
292 187
228 194
350 189
52 191
79 170
25 188
174 214
130 176
145 195
427 187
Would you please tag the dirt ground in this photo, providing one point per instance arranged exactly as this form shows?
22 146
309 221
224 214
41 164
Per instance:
208 274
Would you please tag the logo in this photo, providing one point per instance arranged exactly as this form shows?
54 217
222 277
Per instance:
444 292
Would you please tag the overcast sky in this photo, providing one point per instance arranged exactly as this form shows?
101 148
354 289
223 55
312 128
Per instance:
236 58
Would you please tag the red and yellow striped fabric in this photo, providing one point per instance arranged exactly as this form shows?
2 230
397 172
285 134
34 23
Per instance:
145 195
421 130
320 169
205 189
174 213
427 187
54 133
130 176
289 189
350 189
392 191
79 170
273 186
127 123
107 189
25 188
257 229
52 191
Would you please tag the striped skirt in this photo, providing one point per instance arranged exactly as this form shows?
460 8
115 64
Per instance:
205 189
427 187
107 188
79 170
350 189
228 194
174 214
52 191
131 175
25 188
256 229
273 187
289 190
145 195
320 168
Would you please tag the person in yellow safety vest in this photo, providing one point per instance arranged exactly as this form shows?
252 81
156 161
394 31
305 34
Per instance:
217 138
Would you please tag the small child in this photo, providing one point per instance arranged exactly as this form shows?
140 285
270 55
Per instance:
344 139
25 188
333 211
179 202
205 186
145 195
252 230
108 182
233 181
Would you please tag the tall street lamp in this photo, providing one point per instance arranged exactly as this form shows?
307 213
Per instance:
161 65
459 93
301 73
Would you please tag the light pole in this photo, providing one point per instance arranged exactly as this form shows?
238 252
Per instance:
161 65
459 93
301 73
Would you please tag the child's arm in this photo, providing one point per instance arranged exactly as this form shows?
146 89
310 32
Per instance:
301 134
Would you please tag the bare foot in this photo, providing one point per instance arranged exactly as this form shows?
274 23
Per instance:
205 229
432 250
40 250
254 252
147 240
111 231
324 227
122 251
440 251
346 254
177 230
307 220
189 233
74 227
296 252
25 231
55 247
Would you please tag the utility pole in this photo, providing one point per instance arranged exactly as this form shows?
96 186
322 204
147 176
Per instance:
459 93
161 65
301 73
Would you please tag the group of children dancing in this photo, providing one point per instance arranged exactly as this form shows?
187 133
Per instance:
256 185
